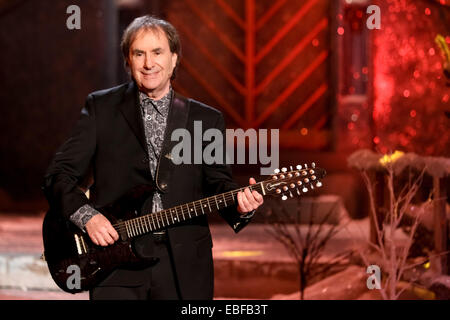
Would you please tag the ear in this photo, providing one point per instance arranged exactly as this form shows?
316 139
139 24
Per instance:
174 60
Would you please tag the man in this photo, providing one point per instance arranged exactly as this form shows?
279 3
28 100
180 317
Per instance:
122 140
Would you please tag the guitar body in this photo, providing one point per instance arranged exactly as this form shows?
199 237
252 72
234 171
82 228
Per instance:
68 250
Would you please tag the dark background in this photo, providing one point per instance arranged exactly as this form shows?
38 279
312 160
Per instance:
48 70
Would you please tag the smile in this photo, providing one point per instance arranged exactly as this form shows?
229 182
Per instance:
149 74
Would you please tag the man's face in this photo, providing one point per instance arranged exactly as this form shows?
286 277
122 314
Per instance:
151 62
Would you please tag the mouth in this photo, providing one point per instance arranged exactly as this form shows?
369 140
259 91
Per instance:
149 74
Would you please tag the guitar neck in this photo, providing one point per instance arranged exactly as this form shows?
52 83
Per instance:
162 219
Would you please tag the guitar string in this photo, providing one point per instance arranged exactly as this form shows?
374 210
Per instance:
156 217
143 223
198 204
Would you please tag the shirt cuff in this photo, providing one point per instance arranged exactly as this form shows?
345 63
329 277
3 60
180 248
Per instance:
82 216
248 215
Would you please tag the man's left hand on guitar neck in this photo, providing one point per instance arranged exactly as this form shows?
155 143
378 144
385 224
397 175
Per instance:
249 201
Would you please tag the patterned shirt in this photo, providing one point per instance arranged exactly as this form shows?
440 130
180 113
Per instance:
154 114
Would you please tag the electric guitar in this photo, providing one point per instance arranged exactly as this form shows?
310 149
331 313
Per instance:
68 249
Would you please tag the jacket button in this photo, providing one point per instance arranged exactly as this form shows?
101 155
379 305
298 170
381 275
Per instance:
164 186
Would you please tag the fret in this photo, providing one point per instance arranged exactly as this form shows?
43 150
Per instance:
187 208
138 226
184 218
174 211
217 205
142 222
201 206
168 223
171 215
153 220
190 209
157 220
131 228
123 224
195 209
147 222
233 196
189 213
223 194
262 189
207 200
128 229
147 218
162 218
134 227
150 219
139 221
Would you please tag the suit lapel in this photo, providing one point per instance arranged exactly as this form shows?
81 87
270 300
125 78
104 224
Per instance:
130 110
177 118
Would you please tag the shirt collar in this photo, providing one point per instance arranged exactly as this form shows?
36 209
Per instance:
161 105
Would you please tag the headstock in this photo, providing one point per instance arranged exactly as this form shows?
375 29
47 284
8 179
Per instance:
294 182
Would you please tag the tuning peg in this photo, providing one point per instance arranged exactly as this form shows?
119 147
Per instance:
290 168
305 189
276 171
306 180
278 191
299 167
298 191
284 197
290 194
285 188
292 186
274 177
283 169
313 165
306 166
318 184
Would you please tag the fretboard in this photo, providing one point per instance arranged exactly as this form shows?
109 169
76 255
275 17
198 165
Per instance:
162 219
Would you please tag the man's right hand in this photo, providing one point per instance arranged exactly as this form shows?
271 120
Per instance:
101 231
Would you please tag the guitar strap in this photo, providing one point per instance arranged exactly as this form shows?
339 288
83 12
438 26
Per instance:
177 118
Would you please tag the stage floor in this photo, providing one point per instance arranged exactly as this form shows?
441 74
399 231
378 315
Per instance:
248 265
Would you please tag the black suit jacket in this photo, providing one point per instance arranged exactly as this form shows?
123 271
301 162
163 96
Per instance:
108 147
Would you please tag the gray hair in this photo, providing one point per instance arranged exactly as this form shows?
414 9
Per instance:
149 22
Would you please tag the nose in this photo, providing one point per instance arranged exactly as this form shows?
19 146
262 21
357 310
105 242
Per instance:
148 62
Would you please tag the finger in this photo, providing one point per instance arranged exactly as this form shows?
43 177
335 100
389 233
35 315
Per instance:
101 241
94 240
107 237
113 232
245 203
252 181
240 203
258 197
251 200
